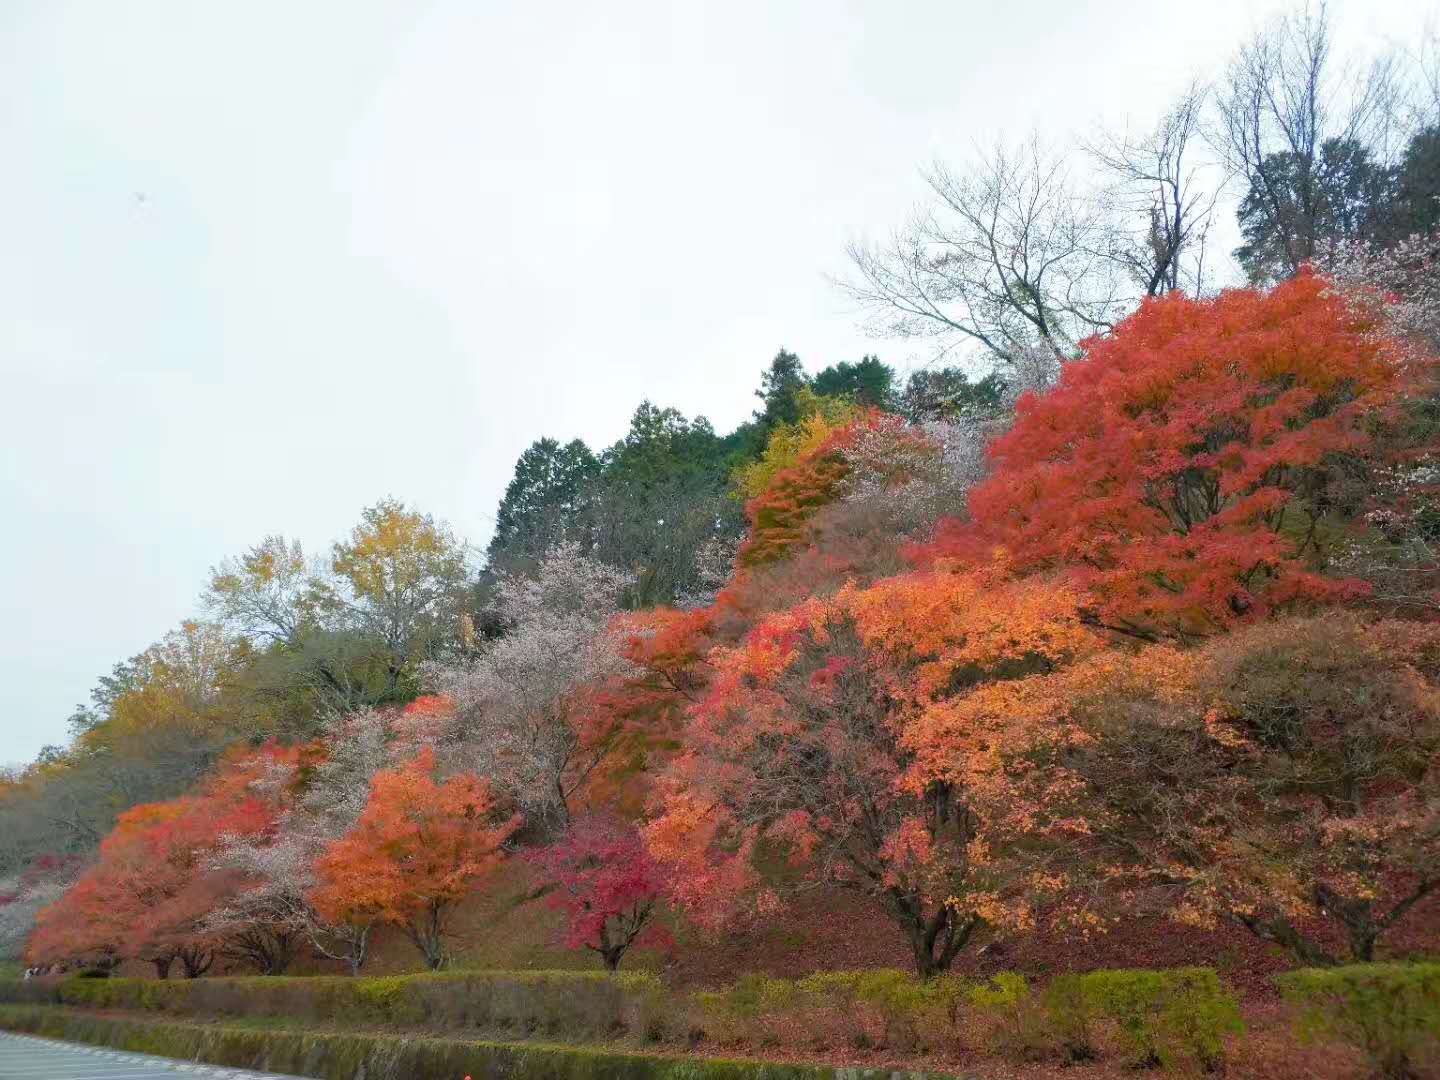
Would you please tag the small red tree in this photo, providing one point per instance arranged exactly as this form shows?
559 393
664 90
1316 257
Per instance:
83 927
1190 469
421 845
602 876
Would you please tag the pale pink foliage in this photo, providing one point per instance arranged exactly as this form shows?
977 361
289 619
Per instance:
1399 283
517 701
20 901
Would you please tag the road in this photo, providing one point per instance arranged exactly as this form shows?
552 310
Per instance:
23 1057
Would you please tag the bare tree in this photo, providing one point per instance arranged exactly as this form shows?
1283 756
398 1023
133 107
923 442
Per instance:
1427 107
1163 195
1289 114
268 594
1010 255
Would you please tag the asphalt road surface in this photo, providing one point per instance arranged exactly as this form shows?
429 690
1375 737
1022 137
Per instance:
23 1057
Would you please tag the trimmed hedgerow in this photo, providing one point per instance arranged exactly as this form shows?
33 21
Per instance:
1160 1018
1071 1017
1018 1026
1156 1017
881 1007
1389 1012
559 1005
390 1057
1164 1016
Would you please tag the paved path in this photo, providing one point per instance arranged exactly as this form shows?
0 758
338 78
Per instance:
24 1057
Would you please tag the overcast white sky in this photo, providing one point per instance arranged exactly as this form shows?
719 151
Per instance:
264 262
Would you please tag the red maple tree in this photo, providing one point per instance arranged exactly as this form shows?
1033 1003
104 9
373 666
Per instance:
152 887
1190 469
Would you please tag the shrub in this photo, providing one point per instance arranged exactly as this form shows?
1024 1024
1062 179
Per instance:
557 1004
1390 1012
863 1008
913 1013
752 1010
1166 1015
1070 1015
356 1055
1018 1026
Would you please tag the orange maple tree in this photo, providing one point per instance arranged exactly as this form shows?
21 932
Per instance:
780 514
817 741
421 845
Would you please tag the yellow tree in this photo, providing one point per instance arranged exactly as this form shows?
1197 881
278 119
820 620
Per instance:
400 578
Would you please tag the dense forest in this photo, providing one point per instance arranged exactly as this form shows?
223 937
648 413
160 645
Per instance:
1124 604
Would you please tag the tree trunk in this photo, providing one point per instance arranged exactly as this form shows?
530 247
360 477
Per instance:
195 962
935 939
359 949
1362 929
427 932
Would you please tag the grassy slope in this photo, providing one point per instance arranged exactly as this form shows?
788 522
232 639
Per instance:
836 929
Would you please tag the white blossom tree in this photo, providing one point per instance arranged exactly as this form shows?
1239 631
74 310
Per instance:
1399 283
520 715
21 900
912 474
1399 286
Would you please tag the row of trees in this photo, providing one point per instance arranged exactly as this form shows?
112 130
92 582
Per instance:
1074 705
1145 672
1115 629
291 640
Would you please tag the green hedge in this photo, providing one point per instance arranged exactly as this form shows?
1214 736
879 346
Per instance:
390 1057
1159 1018
881 1007
1389 1012
553 1004
1156 1017
1163 1016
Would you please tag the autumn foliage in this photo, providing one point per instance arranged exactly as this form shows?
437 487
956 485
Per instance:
602 876
421 846
1112 655
1282 779
1192 470
814 750
152 888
